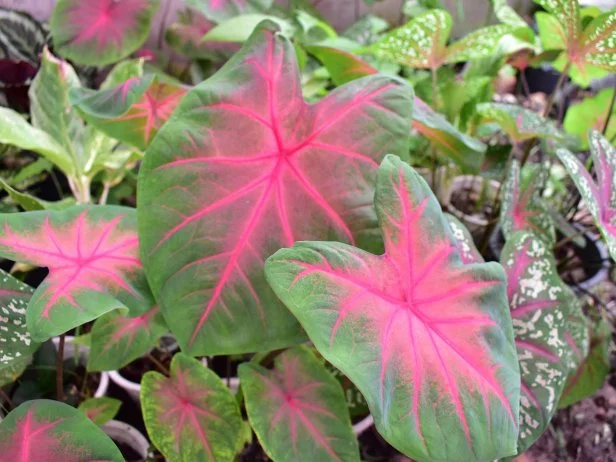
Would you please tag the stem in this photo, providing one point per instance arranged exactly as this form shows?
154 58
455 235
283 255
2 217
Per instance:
567 239
525 84
160 366
435 95
559 84
59 371
7 401
105 194
609 113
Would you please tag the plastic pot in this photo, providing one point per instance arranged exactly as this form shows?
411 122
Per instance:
128 435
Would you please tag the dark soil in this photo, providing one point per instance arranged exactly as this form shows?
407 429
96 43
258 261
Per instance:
130 455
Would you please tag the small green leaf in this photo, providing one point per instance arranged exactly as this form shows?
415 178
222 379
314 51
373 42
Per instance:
567 14
507 15
192 415
551 32
100 410
239 28
123 71
342 66
478 44
591 113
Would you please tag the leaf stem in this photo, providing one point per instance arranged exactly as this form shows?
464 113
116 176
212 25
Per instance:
59 370
609 113
102 200
160 366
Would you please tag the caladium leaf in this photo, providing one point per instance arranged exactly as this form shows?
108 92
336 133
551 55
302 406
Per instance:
426 356
256 178
343 66
132 111
118 339
464 241
577 335
594 368
223 10
100 32
93 262
465 151
298 409
600 197
519 123
540 304
100 410
191 415
600 42
522 208
50 431
16 345
123 71
591 114
478 44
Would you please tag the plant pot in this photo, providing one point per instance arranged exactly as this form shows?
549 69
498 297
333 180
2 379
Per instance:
128 438
467 190
83 351
594 263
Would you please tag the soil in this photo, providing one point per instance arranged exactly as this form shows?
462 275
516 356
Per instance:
130 455
465 201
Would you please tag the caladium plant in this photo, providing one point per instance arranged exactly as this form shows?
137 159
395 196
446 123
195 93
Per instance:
93 262
222 10
540 305
586 46
593 113
191 415
522 208
16 344
422 42
599 196
50 431
255 168
132 111
391 326
99 32
298 409
100 410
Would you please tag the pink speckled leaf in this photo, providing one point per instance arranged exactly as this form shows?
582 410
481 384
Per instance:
540 304
298 409
426 355
599 196
118 339
132 112
245 167
49 431
222 10
191 416
100 32
522 208
92 257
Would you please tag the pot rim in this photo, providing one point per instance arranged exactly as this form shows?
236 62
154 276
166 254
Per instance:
125 433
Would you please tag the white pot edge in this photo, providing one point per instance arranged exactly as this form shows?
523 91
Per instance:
129 435
363 425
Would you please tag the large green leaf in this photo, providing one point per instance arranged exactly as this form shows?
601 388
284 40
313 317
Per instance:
16 345
49 431
540 304
92 257
191 416
600 197
100 32
254 168
591 114
301 403
427 356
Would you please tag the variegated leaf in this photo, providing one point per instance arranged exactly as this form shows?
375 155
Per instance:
478 44
464 241
600 196
600 41
540 304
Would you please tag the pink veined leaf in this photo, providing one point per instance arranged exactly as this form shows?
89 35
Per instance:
50 431
92 257
222 10
599 196
522 208
117 339
100 32
298 409
540 305
100 410
424 354
16 345
191 415
132 112
254 168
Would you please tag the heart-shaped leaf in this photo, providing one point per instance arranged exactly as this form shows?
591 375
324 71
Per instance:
425 355
92 256
16 345
343 66
540 305
100 410
600 197
594 368
298 410
118 339
600 42
478 44
132 111
223 10
522 208
43 430
519 123
255 168
591 114
100 32
191 415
